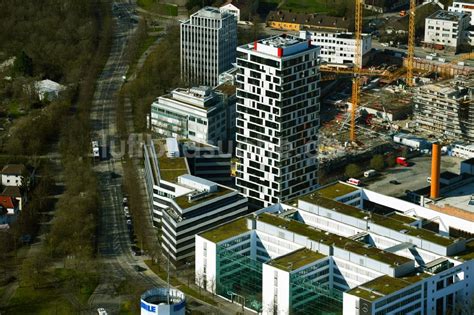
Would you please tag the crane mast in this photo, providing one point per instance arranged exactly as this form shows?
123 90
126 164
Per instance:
411 43
357 67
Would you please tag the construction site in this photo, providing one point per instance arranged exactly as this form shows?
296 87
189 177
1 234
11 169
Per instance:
368 105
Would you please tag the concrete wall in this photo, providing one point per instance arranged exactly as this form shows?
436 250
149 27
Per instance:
276 284
445 220
209 260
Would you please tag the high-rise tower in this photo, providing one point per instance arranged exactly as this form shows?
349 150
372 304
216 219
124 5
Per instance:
277 118
208 42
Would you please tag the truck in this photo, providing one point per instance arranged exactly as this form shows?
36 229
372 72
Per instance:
370 173
401 161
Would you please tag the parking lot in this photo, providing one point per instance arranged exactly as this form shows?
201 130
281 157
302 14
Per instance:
412 177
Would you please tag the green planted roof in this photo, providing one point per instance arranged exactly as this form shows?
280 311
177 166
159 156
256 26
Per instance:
335 190
385 285
296 259
171 168
424 234
468 253
184 203
226 231
394 221
335 205
333 239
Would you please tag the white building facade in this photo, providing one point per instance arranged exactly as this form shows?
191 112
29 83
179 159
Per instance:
198 114
339 47
446 29
463 7
208 42
229 7
333 253
182 204
277 118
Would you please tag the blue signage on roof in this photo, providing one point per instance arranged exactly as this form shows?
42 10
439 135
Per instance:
147 307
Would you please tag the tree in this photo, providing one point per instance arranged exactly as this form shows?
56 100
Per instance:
352 170
23 64
377 162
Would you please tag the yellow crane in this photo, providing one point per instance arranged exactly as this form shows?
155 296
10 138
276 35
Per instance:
411 43
357 67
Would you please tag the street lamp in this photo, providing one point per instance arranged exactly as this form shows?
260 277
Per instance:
188 265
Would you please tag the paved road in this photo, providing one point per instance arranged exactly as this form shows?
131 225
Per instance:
113 236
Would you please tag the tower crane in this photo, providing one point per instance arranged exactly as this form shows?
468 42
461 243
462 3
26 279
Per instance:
357 67
411 43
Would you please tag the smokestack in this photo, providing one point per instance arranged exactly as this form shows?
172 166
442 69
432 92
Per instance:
435 169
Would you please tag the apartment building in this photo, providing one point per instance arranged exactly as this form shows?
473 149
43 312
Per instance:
445 109
337 47
466 6
277 118
208 41
447 30
199 114
182 204
341 249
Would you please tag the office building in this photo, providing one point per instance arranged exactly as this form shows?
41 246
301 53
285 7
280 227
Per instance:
166 161
208 42
199 114
182 204
446 30
445 109
277 118
339 47
341 249
463 7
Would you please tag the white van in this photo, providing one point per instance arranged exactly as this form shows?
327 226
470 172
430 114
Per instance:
370 173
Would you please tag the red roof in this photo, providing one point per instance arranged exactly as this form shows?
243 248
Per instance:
7 202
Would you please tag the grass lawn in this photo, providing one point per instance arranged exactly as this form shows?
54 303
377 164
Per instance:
167 9
308 6
160 8
14 110
143 47
51 300
40 301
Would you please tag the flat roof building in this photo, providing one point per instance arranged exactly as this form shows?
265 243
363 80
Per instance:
277 118
341 249
199 114
208 42
446 30
337 47
182 204
466 6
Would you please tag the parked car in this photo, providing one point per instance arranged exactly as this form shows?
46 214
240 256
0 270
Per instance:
101 311
125 201
394 182
129 222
